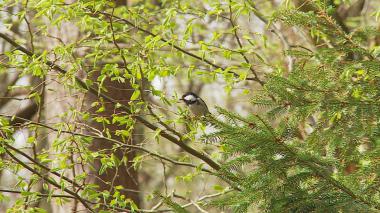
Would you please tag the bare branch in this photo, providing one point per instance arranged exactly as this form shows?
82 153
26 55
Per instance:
38 194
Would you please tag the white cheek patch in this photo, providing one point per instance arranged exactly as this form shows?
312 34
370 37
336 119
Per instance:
190 98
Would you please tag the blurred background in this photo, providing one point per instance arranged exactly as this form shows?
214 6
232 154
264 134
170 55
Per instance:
101 48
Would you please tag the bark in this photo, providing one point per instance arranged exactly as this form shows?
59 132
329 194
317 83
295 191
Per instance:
123 175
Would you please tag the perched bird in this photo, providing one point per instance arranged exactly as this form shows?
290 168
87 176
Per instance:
196 105
200 112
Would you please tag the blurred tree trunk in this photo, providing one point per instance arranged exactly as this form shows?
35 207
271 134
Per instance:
123 175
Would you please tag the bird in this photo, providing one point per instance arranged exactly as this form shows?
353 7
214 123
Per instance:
201 115
196 105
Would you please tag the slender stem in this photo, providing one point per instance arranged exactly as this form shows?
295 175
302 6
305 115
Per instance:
41 165
38 194
98 137
142 120
49 180
235 30
117 45
214 65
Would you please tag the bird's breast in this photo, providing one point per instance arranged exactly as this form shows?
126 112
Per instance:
197 109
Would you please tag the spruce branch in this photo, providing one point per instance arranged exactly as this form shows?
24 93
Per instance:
318 170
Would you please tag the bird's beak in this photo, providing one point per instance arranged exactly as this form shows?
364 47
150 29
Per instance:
180 100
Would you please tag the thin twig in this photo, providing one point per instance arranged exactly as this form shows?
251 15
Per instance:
276 31
235 30
103 138
214 65
142 120
117 45
49 180
38 194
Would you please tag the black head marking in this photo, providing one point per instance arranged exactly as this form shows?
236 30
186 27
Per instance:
189 98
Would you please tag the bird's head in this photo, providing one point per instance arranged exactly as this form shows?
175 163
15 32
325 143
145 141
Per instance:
189 98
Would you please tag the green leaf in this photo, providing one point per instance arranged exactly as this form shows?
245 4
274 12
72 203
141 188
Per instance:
135 95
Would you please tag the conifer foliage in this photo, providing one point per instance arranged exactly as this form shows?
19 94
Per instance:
310 141
334 90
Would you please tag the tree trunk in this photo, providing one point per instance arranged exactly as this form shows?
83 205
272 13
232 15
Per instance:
123 175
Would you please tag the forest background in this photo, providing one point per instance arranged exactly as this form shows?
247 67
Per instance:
90 118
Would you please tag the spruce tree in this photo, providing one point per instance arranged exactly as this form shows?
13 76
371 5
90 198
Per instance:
316 148
309 143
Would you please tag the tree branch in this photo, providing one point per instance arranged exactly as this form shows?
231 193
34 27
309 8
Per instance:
169 42
41 165
49 180
316 169
38 194
96 137
234 29
26 113
179 142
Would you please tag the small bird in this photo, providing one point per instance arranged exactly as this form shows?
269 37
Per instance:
196 105
200 112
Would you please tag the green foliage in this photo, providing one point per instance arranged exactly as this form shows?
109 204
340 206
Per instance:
173 205
311 144
334 92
